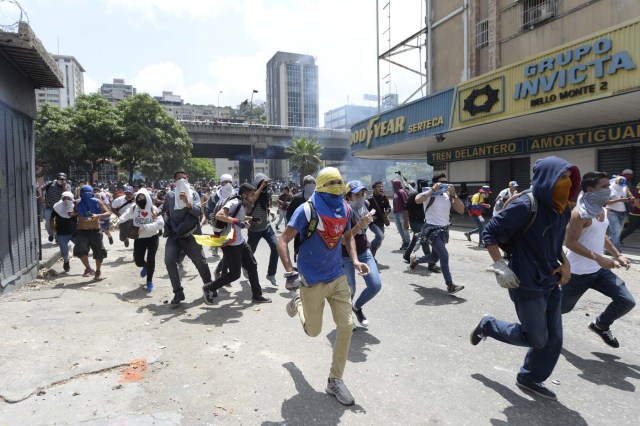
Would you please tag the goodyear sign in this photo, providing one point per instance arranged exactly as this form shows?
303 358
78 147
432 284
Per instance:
596 67
593 137
424 117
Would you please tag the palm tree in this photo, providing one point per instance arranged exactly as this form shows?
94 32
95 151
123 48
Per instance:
304 156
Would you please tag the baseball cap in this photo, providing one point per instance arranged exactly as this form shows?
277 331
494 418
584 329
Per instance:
621 180
513 184
127 188
354 186
486 189
627 172
61 176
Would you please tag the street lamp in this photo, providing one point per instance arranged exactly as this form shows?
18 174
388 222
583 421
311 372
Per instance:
219 93
251 105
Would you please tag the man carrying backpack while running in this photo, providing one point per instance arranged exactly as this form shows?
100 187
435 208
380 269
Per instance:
321 273
535 271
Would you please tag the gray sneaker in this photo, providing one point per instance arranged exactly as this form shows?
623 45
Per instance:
272 280
292 308
337 388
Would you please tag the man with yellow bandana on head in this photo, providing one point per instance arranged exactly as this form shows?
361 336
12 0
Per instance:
535 272
322 222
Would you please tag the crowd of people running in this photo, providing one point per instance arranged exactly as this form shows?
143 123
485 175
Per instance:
327 219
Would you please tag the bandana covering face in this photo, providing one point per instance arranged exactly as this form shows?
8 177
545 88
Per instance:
333 214
308 190
63 207
357 204
225 191
327 175
560 195
592 203
182 186
88 203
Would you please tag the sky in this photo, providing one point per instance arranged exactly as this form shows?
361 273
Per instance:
199 48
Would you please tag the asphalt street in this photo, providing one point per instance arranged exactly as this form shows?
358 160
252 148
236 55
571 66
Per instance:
107 352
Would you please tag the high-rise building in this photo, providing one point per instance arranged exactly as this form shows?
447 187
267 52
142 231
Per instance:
292 90
347 115
117 91
73 81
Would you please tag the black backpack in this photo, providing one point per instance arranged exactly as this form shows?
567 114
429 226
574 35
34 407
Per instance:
507 245
220 227
416 211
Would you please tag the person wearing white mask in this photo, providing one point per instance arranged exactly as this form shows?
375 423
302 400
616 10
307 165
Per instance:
146 224
360 219
586 240
617 209
224 191
63 225
182 213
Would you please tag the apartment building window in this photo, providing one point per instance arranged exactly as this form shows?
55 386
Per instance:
482 34
535 12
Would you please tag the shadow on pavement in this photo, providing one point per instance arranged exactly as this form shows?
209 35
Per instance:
382 267
308 406
524 411
437 296
135 294
220 315
606 371
360 342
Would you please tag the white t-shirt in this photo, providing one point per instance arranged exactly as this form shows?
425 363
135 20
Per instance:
232 205
438 213
617 192
119 202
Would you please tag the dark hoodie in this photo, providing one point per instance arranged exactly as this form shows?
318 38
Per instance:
537 253
400 197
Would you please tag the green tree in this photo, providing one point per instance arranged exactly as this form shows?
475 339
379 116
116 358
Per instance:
304 156
96 131
152 141
55 149
199 169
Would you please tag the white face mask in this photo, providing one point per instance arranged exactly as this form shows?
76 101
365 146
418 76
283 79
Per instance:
226 190
308 190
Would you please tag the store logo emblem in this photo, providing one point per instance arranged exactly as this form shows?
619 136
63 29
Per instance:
491 98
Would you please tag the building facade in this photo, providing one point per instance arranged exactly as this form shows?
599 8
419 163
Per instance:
292 90
347 115
73 80
539 78
24 66
117 91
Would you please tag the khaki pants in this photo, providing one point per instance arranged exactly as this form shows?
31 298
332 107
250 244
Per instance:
310 308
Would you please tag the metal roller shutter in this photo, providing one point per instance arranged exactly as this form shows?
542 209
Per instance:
521 172
500 175
613 161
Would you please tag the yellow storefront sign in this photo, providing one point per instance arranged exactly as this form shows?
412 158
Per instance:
600 66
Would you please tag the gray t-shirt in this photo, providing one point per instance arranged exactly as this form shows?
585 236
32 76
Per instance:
263 215
232 205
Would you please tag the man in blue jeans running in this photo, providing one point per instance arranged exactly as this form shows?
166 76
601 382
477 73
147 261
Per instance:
586 240
535 271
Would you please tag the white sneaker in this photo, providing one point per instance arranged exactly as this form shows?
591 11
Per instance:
292 306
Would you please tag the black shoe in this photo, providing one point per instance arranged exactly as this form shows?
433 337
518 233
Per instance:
403 247
535 387
177 298
360 316
50 238
406 259
468 235
434 268
66 266
126 242
606 335
208 295
110 240
453 288
477 335
260 299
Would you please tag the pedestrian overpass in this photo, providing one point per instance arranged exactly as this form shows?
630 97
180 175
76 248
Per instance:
245 142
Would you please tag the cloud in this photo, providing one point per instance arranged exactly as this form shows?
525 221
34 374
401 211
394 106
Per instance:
90 85
152 10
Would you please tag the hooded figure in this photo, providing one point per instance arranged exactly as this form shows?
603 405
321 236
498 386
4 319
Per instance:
144 215
64 207
88 204
536 254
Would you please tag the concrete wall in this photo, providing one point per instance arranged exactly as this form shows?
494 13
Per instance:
15 90
469 171
447 45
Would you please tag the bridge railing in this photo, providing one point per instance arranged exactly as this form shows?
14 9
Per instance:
241 127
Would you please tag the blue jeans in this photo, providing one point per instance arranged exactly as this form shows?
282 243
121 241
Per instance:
399 220
372 280
616 222
540 329
272 240
47 219
440 253
605 282
479 226
378 232
63 243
